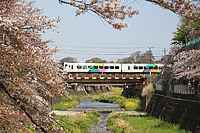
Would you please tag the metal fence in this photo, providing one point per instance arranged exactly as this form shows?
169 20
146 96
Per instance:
181 89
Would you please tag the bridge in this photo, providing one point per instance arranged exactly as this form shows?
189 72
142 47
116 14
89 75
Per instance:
104 78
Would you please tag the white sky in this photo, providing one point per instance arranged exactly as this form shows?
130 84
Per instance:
87 36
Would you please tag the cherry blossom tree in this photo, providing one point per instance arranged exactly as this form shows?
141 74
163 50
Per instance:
187 64
29 76
113 12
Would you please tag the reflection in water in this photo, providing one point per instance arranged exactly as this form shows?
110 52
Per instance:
96 104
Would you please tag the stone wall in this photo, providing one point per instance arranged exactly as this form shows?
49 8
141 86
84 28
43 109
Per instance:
182 112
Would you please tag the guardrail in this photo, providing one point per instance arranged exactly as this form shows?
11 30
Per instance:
181 89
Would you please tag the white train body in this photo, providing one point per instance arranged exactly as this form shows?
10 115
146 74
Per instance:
111 68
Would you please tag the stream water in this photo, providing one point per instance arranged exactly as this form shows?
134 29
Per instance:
100 127
96 104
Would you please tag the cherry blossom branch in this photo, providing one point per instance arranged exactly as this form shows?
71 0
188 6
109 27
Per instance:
110 11
182 7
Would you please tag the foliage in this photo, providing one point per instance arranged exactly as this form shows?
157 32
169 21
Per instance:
180 36
140 124
138 57
186 32
78 123
186 62
148 89
95 60
130 106
69 60
65 104
28 74
147 57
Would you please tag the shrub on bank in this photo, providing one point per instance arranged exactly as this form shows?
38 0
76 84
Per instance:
117 124
132 104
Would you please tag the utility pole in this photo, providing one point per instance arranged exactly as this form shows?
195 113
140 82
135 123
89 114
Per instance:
150 56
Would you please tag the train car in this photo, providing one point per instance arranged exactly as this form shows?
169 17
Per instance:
111 68
92 67
141 68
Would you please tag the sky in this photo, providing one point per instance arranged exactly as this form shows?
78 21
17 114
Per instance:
87 36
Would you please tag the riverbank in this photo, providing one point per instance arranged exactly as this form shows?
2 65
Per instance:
68 113
105 113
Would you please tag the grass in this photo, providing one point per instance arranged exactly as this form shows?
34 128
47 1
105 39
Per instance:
65 104
140 124
80 123
113 96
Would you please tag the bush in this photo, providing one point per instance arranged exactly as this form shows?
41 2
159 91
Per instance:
117 124
130 106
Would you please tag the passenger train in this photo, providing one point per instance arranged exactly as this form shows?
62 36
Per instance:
111 68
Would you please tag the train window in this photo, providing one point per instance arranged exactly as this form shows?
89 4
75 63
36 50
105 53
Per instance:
100 67
135 67
72 67
150 67
106 67
128 67
79 67
89 67
111 67
84 67
141 67
155 67
116 67
95 67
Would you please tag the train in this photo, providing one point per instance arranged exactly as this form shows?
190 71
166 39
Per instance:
111 68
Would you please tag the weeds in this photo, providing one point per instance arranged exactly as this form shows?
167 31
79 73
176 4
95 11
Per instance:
80 123
140 124
65 104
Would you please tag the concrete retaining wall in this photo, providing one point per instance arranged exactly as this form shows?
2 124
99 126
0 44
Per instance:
185 113
83 90
132 91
